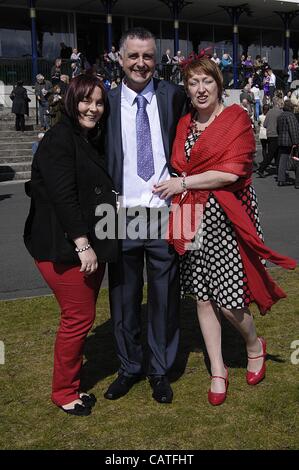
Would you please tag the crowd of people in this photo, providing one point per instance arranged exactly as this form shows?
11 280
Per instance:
149 147
259 94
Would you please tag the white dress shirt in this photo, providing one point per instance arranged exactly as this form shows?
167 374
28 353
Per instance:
136 191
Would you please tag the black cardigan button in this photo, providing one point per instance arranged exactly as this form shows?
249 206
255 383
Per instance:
98 190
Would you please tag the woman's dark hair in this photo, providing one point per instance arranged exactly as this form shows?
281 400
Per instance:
20 83
79 88
266 108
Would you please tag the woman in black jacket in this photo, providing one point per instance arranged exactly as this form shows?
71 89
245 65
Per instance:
69 185
20 106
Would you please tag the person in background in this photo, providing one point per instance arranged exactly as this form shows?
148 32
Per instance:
270 124
56 71
43 89
288 136
75 56
257 100
76 69
64 83
263 132
55 105
20 105
35 144
166 61
68 181
65 51
225 67
295 101
215 58
266 87
220 249
272 83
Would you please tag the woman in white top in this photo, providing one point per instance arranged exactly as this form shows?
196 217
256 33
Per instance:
263 131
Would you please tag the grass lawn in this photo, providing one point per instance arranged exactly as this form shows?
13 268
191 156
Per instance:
262 417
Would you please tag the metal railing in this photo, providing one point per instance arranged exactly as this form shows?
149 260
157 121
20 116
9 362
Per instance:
12 70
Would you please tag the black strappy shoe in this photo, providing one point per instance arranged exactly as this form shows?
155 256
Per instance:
88 400
78 410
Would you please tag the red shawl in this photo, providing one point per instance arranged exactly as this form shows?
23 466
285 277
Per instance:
226 145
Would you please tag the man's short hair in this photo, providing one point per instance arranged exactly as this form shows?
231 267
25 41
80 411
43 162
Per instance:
138 33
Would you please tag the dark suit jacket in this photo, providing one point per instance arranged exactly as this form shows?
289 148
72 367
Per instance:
69 179
288 129
171 100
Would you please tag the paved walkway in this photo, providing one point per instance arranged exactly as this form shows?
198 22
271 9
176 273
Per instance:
20 278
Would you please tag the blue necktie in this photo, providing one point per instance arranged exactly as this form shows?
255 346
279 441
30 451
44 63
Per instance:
145 159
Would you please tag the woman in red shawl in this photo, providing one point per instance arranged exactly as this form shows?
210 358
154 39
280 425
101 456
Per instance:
221 245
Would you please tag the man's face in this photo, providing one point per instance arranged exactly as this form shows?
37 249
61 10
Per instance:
138 60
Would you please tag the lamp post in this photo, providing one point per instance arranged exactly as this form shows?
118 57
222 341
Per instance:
109 4
33 39
234 13
176 6
287 18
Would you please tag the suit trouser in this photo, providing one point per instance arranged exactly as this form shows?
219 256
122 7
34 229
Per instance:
284 153
77 295
126 291
272 153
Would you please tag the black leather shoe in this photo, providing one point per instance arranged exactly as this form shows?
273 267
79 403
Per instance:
121 386
260 173
162 391
78 410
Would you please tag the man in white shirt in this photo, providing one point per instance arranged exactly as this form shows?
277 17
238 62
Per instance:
143 114
272 83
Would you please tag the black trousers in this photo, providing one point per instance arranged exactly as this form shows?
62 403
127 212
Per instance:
264 143
272 153
20 122
163 303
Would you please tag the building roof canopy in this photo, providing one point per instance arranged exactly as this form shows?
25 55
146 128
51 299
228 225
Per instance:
206 11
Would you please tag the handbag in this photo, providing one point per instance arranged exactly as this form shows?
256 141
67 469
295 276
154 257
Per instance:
293 159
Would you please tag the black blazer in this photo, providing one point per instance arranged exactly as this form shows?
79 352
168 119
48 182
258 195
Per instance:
171 101
69 180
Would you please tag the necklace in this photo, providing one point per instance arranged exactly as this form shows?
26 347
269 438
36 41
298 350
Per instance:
196 127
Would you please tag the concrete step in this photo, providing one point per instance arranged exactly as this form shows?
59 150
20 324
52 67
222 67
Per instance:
15 167
20 136
16 153
13 145
8 159
11 176
11 127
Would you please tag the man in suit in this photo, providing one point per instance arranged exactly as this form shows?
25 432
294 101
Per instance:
143 114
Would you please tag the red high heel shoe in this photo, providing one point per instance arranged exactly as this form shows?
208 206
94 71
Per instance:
253 378
218 398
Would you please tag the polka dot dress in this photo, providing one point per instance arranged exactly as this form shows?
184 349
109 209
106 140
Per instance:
213 269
